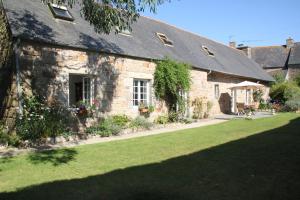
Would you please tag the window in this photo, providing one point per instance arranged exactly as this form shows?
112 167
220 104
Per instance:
87 90
125 31
248 97
165 39
209 52
140 92
61 12
81 89
217 91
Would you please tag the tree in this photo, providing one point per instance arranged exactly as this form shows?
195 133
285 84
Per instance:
111 15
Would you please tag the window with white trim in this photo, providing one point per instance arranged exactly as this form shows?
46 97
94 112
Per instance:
87 90
217 91
141 94
165 40
208 51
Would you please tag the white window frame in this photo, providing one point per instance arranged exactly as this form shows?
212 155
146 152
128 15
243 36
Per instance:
248 96
165 40
217 92
91 89
139 92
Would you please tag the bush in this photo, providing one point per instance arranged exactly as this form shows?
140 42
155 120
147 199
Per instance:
140 123
198 111
121 120
108 127
112 125
39 120
297 80
293 105
173 117
282 92
257 95
10 140
265 106
163 119
3 136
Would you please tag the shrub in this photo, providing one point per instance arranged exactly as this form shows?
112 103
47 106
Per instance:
198 111
39 120
279 77
293 105
7 139
292 92
297 80
121 120
3 136
173 116
186 121
112 125
285 91
163 119
140 123
265 106
108 127
257 95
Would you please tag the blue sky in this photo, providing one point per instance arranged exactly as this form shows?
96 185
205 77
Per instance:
251 22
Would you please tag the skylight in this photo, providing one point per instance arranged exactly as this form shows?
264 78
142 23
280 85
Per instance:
209 52
125 31
61 12
165 39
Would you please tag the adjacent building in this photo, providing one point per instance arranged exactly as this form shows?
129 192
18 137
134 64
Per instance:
283 59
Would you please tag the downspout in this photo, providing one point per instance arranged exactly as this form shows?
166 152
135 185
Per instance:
19 89
209 72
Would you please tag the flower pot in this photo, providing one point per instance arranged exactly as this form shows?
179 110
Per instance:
144 110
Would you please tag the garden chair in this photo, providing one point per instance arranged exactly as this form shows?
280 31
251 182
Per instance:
240 108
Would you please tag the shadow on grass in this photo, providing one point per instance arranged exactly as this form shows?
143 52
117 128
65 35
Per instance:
261 167
55 157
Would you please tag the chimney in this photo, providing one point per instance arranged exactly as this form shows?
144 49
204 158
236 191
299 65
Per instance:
289 42
232 44
245 49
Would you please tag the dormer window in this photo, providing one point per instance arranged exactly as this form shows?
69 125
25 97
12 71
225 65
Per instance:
124 31
165 40
61 12
209 52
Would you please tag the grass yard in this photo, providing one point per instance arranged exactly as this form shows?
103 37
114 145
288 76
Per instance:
239 159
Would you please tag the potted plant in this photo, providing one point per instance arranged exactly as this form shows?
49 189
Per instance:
143 108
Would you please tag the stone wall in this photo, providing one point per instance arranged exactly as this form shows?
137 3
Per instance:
293 71
46 70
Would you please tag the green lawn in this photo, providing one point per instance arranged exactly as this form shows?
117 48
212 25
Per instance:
239 159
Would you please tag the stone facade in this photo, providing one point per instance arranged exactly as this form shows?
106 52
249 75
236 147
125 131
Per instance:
47 71
293 71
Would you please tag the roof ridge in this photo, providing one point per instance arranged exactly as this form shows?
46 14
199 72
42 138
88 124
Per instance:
271 46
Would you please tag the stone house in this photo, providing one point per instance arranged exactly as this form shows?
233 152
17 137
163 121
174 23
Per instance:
59 55
284 59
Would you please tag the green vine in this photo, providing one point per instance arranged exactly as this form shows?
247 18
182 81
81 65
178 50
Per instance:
171 80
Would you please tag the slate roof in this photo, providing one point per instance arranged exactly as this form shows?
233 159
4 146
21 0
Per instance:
33 20
270 57
295 54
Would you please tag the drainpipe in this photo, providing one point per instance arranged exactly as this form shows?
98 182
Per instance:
19 89
209 72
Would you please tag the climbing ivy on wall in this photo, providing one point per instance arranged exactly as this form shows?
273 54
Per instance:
5 39
171 80
5 58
